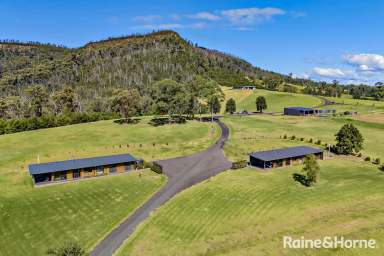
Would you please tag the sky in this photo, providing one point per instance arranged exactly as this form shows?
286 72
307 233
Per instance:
319 39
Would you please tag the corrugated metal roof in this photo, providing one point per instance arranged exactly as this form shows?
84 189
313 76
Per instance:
79 163
283 153
300 108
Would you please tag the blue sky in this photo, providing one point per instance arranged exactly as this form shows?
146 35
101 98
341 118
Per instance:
319 39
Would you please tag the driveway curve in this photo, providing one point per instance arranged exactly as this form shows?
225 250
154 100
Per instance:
182 172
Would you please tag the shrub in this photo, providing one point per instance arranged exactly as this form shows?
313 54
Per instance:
156 168
293 137
310 140
318 142
381 168
67 249
239 164
285 136
367 159
359 155
376 161
301 139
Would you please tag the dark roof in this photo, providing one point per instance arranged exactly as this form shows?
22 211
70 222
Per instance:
79 163
283 153
299 108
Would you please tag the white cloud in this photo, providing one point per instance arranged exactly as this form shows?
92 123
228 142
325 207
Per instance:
147 18
239 19
251 15
329 72
366 62
204 16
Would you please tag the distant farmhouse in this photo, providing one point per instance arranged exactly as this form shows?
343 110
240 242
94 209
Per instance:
245 87
283 157
81 168
301 111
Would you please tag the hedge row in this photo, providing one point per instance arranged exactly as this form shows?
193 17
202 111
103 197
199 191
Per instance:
239 164
151 165
34 123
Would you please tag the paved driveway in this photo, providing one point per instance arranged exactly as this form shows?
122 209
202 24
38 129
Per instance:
182 172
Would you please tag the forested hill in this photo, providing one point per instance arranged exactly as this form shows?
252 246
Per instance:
133 61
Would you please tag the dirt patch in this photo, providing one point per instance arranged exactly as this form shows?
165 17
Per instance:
373 118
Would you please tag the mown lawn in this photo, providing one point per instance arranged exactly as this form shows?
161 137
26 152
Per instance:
95 139
82 211
276 101
35 219
264 132
247 212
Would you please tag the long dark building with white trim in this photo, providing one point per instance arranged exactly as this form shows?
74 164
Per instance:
81 168
283 156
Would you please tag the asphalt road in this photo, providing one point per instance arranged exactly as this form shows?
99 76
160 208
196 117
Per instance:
182 172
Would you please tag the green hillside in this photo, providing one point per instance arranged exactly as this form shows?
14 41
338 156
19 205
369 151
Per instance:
126 62
276 101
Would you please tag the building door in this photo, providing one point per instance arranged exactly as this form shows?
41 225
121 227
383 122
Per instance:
76 174
287 162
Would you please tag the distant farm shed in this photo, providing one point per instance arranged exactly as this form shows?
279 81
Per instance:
245 87
302 111
283 156
81 168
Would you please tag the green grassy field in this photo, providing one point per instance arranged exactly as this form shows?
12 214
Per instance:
83 211
359 106
263 132
276 101
35 219
247 212
94 139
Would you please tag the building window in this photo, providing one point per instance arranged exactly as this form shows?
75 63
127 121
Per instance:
39 178
57 176
88 172
99 170
113 169
128 167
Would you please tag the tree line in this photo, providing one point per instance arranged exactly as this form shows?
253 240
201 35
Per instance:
37 108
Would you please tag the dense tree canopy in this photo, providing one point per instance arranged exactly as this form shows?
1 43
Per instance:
230 106
65 100
37 98
261 104
348 140
126 102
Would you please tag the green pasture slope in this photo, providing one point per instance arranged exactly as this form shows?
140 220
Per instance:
35 219
276 101
353 105
247 212
264 132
